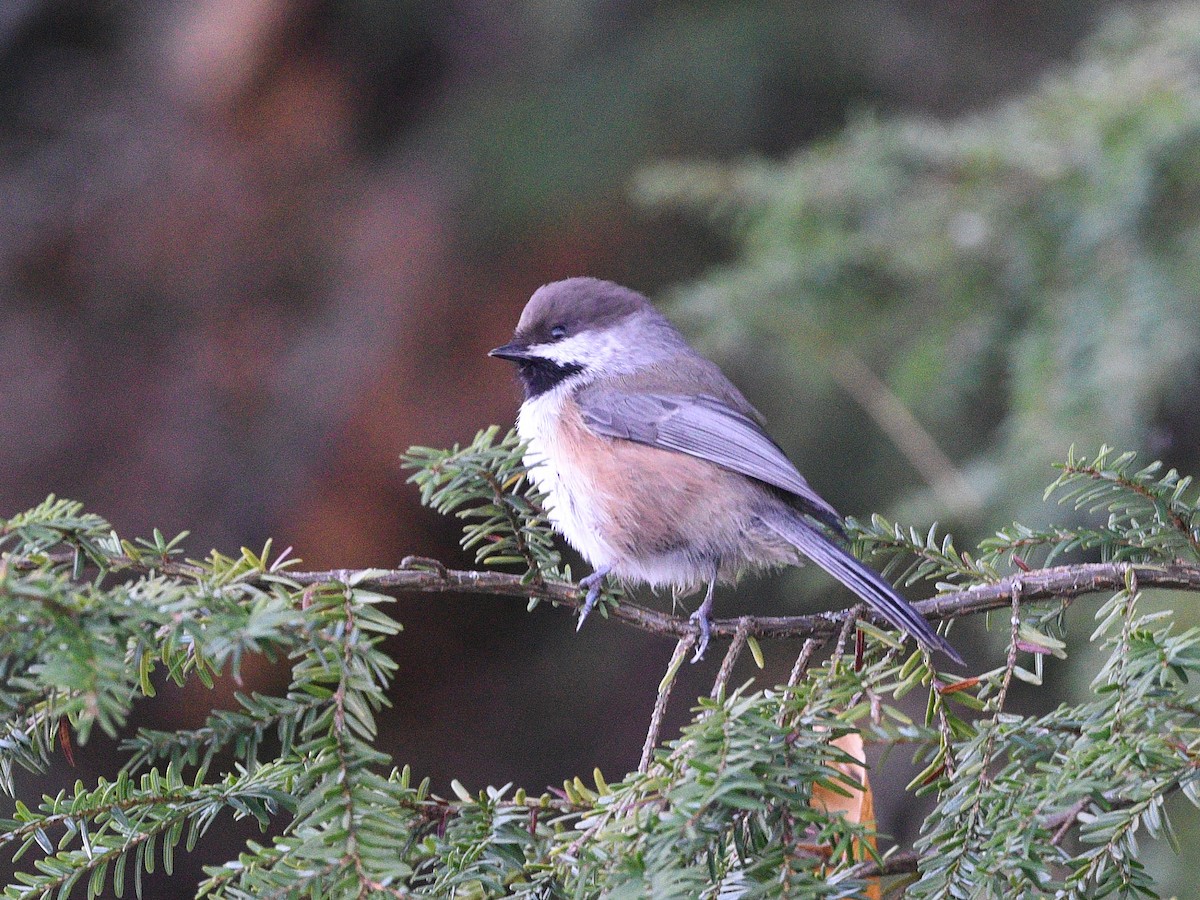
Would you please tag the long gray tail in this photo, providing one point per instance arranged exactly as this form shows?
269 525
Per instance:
865 582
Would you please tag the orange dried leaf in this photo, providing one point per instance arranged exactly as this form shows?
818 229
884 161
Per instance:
964 685
856 803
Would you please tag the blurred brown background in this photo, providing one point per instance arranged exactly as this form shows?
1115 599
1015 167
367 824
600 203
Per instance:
252 250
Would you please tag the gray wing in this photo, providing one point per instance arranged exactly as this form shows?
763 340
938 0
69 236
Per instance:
704 427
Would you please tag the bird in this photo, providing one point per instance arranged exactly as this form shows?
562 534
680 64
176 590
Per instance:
656 469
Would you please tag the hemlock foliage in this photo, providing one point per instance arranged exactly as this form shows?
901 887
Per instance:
1044 805
1041 259
1024 278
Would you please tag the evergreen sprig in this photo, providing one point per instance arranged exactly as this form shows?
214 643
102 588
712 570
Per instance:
485 484
1026 805
1003 826
1151 510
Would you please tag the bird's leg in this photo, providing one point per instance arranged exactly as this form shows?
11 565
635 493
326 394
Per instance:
593 583
703 617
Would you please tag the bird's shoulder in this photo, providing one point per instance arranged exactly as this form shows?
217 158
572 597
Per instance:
677 379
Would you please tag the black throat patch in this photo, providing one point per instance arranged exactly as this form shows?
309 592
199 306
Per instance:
540 375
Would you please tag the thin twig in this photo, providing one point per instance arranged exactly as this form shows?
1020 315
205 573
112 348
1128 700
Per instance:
798 670
802 661
660 705
902 863
946 734
731 657
1010 666
1131 599
850 621
894 418
1010 663
1065 819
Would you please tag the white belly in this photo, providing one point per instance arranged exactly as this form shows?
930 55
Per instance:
584 506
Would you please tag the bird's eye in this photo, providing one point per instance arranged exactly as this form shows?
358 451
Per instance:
558 332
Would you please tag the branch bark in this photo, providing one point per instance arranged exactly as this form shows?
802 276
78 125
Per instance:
419 575
1058 582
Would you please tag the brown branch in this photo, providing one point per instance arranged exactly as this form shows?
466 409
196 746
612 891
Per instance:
909 436
418 575
1058 582
902 863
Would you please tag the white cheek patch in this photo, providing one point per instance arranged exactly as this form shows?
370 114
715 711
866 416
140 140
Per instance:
597 351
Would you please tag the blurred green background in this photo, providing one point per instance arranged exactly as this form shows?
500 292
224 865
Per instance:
251 250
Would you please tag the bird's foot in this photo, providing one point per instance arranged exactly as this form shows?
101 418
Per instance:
593 583
703 619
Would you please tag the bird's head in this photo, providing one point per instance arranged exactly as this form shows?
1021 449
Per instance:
579 329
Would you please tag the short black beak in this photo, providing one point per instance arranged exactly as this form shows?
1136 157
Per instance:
514 352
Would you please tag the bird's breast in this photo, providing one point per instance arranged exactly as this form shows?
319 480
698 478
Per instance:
566 463
653 515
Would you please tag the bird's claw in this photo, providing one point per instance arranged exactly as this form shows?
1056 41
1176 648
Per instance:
593 583
589 602
704 622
